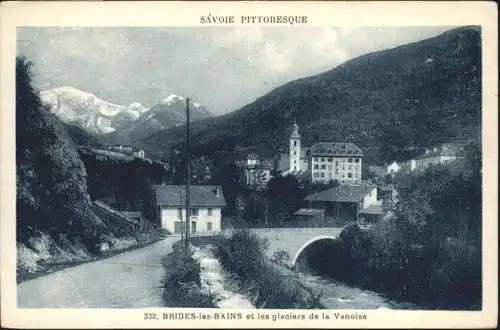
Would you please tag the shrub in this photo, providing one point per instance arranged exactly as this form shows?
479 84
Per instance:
243 255
182 283
281 258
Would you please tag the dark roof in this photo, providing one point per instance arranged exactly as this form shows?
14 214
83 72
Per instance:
336 149
443 150
129 214
310 212
199 196
351 193
111 211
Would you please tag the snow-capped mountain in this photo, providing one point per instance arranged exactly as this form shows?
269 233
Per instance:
86 110
167 113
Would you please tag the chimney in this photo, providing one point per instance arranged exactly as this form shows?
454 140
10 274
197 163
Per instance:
217 191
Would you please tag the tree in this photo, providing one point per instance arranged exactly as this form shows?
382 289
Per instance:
228 175
284 194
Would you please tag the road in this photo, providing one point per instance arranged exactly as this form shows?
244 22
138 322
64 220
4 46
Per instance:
127 280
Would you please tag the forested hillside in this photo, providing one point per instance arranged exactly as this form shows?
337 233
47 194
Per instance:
417 94
124 185
51 179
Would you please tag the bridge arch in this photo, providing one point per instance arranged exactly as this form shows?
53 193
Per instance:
309 242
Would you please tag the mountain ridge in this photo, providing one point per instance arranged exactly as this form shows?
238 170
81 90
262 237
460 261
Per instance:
420 93
116 123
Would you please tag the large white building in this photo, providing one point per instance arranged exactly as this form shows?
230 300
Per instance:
441 154
324 161
206 203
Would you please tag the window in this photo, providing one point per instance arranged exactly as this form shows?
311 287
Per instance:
179 213
316 174
294 143
349 160
295 153
209 225
322 159
349 175
323 167
330 167
295 162
330 159
193 212
316 167
209 212
336 163
356 160
322 175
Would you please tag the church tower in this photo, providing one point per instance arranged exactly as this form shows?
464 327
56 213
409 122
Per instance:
295 149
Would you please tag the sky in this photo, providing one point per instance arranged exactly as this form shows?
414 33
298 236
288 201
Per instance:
223 68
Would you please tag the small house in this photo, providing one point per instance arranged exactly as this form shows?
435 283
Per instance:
206 203
139 153
115 220
392 168
343 203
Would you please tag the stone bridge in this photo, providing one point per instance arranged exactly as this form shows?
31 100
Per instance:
294 240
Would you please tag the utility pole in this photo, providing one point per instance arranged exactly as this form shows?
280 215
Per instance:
188 177
182 227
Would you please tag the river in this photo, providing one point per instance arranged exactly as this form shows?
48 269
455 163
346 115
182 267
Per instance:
338 295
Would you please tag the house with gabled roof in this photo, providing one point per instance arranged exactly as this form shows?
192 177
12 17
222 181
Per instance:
345 202
205 211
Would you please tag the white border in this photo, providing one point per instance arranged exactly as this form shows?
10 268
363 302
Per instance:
14 14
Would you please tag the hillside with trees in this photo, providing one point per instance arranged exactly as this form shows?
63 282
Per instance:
52 197
55 223
429 247
413 95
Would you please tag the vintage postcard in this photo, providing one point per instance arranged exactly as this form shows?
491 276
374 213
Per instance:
249 164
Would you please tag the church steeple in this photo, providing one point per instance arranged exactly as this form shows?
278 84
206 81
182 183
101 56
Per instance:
295 148
295 132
